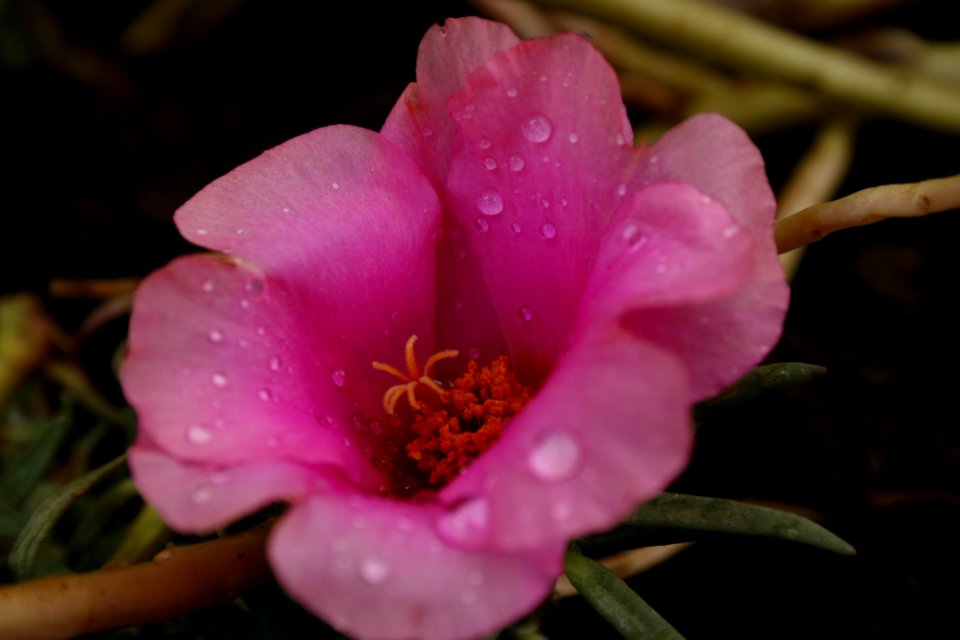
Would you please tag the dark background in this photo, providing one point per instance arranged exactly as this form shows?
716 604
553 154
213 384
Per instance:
101 143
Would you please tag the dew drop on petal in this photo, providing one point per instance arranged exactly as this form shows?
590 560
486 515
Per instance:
490 203
730 231
634 237
374 570
537 128
274 364
254 286
219 379
485 144
261 331
473 353
548 231
208 286
516 227
202 232
265 395
619 139
525 313
215 335
202 494
198 434
335 185
339 377
555 458
621 189
573 137
482 225
512 92
426 132
489 163
516 163
468 522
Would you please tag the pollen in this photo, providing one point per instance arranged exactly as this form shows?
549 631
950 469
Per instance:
470 420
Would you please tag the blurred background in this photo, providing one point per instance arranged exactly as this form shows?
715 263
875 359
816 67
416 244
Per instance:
113 113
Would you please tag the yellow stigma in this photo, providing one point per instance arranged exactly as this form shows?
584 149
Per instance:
412 377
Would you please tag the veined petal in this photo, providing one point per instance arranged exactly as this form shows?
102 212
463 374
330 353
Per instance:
198 498
223 368
374 568
609 429
546 141
716 156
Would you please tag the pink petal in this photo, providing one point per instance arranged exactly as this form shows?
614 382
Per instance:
723 339
224 368
375 568
196 498
547 141
609 429
421 124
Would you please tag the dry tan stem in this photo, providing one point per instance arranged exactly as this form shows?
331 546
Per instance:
868 206
817 177
179 580
742 42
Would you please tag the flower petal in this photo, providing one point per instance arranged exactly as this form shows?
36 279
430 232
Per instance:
374 568
717 157
609 429
547 140
196 498
420 123
224 368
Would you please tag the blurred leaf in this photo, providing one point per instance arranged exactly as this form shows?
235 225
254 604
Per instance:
45 517
675 517
616 601
144 538
26 333
25 470
11 521
759 381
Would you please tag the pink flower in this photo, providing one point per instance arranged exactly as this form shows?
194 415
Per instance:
501 211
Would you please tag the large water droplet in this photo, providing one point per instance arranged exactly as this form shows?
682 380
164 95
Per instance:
219 379
525 313
374 570
555 458
468 522
489 163
537 128
490 203
339 377
516 163
548 231
198 434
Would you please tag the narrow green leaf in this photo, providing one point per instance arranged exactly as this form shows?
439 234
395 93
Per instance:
616 601
45 517
759 381
11 521
675 517
26 469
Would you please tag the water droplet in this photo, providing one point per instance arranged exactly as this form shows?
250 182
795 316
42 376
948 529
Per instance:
468 522
275 364
573 137
286 209
426 132
537 128
254 286
489 163
555 458
240 231
335 185
563 202
243 343
265 395
512 92
543 77
619 139
482 225
490 203
730 231
244 303
621 189
654 159
208 286
516 227
634 237
198 434
545 203
515 163
485 144
473 353
219 379
548 231
202 232
215 335
261 331
374 570
525 313
339 377
202 494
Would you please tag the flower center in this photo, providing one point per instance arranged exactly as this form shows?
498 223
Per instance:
435 435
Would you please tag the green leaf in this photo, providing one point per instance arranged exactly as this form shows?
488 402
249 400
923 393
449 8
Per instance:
757 382
616 601
675 517
27 468
45 517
